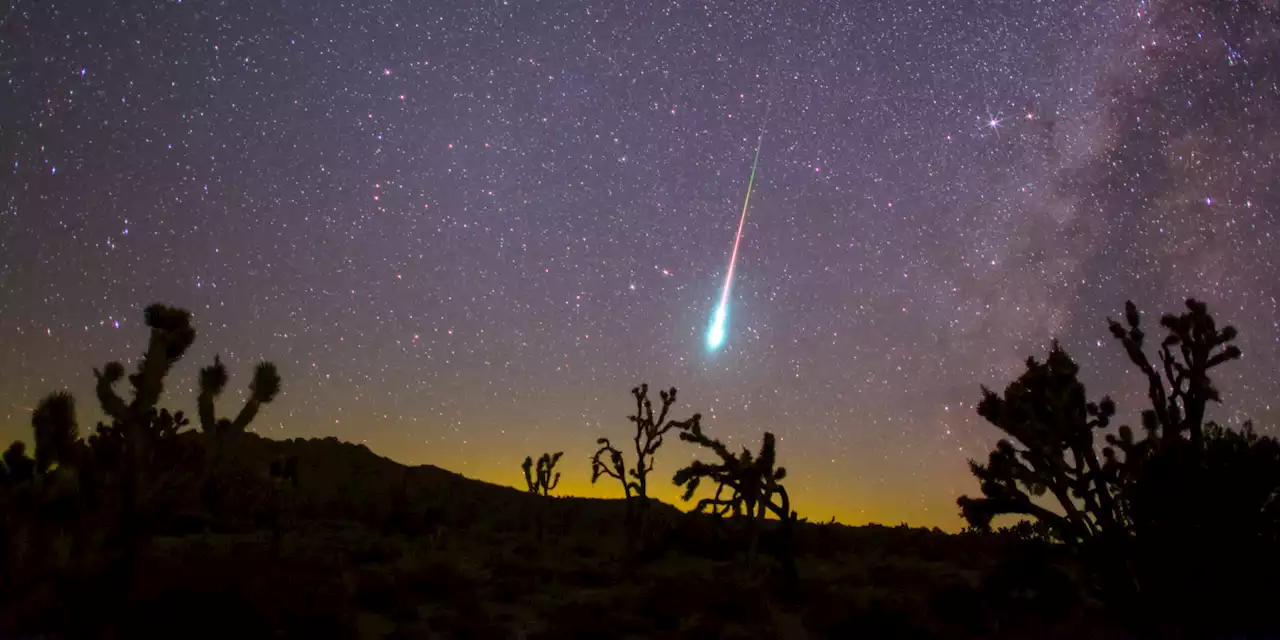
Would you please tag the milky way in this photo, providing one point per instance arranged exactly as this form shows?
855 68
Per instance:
464 232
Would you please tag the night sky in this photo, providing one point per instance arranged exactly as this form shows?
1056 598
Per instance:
464 232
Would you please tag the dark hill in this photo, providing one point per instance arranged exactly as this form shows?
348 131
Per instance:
343 481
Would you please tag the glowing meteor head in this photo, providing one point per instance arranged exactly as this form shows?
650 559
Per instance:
715 337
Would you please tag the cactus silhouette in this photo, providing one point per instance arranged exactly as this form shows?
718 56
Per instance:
139 449
136 474
56 432
540 480
753 482
615 467
228 475
1046 412
1179 397
754 486
650 430
138 425
1153 517
171 336
213 379
123 456
135 423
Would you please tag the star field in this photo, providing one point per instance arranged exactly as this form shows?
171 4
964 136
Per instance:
465 231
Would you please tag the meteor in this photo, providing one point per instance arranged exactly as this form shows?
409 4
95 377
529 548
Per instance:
716 335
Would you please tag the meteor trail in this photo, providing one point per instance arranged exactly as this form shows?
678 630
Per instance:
716 335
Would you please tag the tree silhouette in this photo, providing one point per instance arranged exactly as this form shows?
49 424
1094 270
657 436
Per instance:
753 483
615 468
648 438
139 459
540 480
228 476
171 336
18 467
1046 412
609 461
131 478
1179 407
56 432
1191 503
213 379
136 424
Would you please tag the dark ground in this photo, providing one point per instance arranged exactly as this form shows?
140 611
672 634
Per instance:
368 548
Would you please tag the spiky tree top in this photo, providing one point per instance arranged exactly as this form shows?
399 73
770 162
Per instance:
540 481
171 336
752 480
1046 412
213 380
649 434
1193 346
614 467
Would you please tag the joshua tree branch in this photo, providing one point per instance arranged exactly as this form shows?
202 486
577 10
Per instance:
112 404
246 415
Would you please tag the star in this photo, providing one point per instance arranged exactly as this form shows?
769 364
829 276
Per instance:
273 176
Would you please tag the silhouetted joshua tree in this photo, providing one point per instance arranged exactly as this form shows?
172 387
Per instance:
134 421
1046 412
228 476
540 480
609 461
213 379
171 336
151 465
56 432
1179 407
1190 503
753 483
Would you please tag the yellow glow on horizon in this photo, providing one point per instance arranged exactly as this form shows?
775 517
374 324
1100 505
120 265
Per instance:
849 505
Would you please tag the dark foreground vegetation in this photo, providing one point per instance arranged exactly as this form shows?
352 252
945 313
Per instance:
149 527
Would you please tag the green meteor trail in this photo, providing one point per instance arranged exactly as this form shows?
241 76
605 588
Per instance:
716 335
